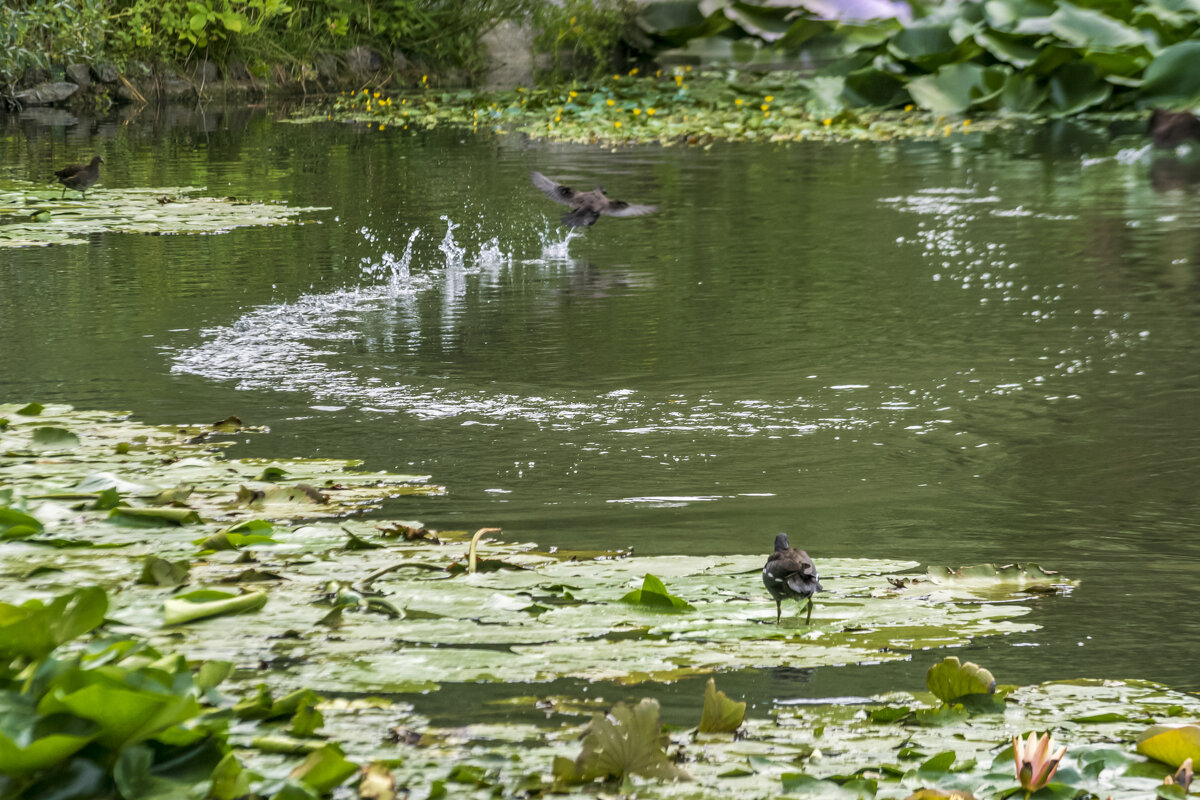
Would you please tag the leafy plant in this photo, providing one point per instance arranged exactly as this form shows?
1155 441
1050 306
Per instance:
654 595
720 714
627 741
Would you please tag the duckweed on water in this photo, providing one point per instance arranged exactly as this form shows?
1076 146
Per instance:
681 108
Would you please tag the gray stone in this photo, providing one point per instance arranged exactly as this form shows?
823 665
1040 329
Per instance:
509 60
105 73
172 85
400 61
363 59
204 72
327 65
45 94
80 75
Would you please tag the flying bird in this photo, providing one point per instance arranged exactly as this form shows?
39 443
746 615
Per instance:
587 207
790 573
79 177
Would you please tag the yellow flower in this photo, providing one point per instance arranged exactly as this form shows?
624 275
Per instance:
827 121
908 107
616 77
687 69
382 126
610 101
650 112
738 101
633 71
637 111
572 22
617 124
424 79
769 98
558 119
765 107
572 94
966 123
678 80
375 95
766 113
658 73
946 130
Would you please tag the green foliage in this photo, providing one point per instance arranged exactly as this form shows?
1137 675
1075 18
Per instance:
37 34
627 741
583 38
951 680
720 714
654 595
988 55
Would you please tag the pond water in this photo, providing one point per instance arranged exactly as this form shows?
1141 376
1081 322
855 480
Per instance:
978 349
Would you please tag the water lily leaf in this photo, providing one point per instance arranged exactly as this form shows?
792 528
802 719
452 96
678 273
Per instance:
680 21
1170 745
30 410
1076 87
1008 577
18 525
957 87
1018 51
50 438
951 680
205 603
34 628
720 714
1172 77
125 715
926 45
161 572
325 769
230 780
225 540
1092 30
627 741
377 783
654 595
30 742
172 497
156 516
305 722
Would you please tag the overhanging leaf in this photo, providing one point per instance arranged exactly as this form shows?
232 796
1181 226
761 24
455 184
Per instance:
720 714
654 595
1171 745
951 680
627 741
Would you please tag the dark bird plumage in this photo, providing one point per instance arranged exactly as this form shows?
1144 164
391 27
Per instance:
79 176
790 573
587 207
1171 128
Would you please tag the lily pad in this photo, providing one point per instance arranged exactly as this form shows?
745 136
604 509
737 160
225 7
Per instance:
132 211
720 714
951 680
205 603
1171 745
627 741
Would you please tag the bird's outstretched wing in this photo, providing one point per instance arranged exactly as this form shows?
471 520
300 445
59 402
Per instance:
556 191
619 208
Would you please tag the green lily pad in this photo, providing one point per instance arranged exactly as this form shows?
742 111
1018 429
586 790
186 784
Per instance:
1170 745
654 595
951 680
720 714
627 741
205 603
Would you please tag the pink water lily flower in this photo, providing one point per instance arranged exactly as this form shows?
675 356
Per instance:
1182 776
1036 765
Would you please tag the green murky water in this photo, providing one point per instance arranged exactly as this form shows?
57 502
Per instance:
977 349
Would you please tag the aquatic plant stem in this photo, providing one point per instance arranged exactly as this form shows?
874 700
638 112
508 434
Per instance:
471 560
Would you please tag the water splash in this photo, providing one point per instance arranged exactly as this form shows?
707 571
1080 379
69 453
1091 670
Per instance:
450 248
556 249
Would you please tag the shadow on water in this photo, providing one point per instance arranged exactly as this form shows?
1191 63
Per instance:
976 349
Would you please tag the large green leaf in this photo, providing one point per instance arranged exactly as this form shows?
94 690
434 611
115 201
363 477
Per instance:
1172 77
18 525
30 742
927 45
1077 87
1093 30
35 628
654 595
627 741
720 714
951 680
324 769
957 87
1171 745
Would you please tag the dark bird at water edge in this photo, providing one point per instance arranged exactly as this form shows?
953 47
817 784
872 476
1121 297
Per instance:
587 207
790 573
79 176
1173 128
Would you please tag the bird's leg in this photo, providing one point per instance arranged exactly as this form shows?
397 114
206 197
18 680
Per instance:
808 620
64 193
778 611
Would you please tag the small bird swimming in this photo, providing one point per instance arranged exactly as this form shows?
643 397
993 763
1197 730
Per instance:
1171 128
790 573
587 207
79 176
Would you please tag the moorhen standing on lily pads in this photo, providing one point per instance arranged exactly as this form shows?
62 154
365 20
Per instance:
79 176
790 573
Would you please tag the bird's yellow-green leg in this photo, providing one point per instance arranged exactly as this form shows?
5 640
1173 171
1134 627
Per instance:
808 620
778 611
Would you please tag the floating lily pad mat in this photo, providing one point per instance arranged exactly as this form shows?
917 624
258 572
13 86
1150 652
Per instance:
369 606
33 217
830 750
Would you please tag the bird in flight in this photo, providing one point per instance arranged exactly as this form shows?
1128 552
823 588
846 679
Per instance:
587 207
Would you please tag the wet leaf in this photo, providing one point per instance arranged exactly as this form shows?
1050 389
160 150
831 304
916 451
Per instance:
18 525
952 680
230 780
627 741
324 770
54 439
1170 745
1172 77
157 516
654 595
720 714
161 572
205 603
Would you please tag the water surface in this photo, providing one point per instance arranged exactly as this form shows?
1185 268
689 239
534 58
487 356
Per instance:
976 349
